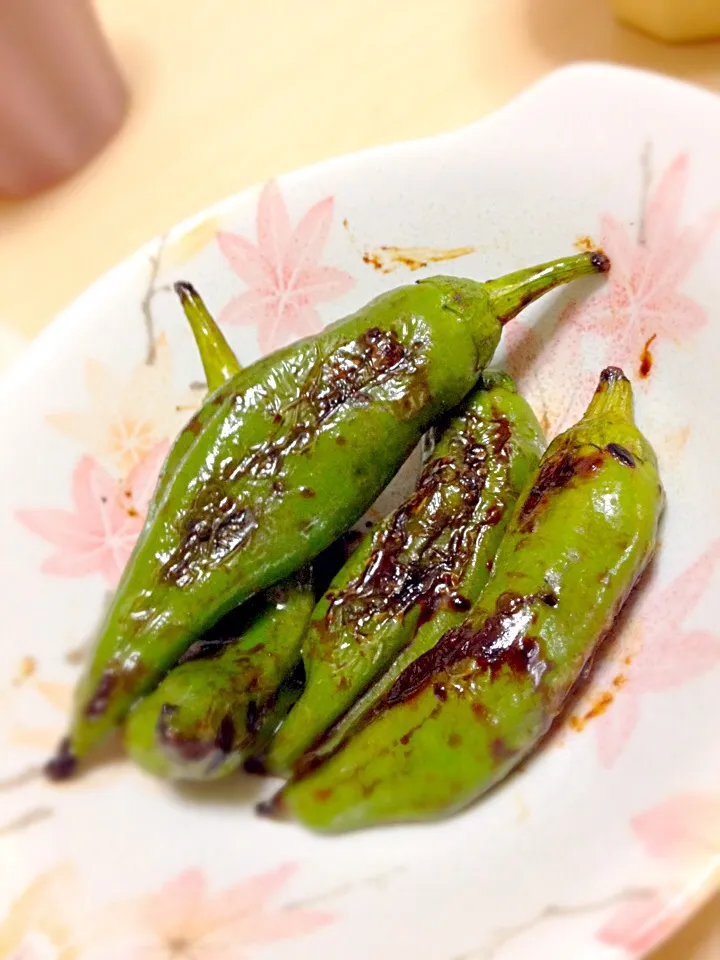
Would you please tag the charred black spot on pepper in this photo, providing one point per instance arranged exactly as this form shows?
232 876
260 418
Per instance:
479 712
397 575
113 680
440 692
459 603
621 454
340 440
307 493
186 749
63 765
600 261
550 600
494 514
255 767
500 642
556 472
216 527
612 375
253 719
226 734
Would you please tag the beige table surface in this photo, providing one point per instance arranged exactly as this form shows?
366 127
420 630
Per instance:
230 92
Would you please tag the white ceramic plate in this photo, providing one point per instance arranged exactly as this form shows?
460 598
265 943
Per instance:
611 835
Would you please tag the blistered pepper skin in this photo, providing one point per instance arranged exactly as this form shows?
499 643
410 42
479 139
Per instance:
287 456
461 716
417 574
210 714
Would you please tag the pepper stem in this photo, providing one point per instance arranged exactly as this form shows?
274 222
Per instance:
612 398
512 293
218 360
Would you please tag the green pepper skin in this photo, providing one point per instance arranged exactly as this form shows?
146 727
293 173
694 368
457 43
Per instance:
208 715
419 572
465 713
294 449
220 365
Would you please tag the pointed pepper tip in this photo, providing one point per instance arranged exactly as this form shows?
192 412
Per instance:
613 375
275 808
186 291
600 261
63 765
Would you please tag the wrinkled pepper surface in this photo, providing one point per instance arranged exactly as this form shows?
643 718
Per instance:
285 457
462 715
210 714
418 573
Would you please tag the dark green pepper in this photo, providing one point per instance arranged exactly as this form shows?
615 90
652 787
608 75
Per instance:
466 712
210 714
287 456
220 365
417 574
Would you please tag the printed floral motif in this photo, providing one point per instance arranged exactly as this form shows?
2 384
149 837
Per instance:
642 297
684 830
52 920
540 365
283 272
183 919
40 924
99 533
663 652
639 926
639 308
127 419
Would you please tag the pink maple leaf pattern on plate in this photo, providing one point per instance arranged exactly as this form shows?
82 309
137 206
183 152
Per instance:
665 653
642 296
640 301
99 533
283 272
183 919
550 373
684 829
637 926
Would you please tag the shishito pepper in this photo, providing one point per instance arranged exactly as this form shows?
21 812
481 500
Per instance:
418 573
209 714
286 457
462 715
218 706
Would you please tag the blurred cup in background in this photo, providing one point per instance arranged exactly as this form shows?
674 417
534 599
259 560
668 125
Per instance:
61 95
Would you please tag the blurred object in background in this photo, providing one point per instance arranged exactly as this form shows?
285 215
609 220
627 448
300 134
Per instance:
672 20
61 96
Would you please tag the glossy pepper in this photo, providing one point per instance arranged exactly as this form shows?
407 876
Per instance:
210 714
286 457
462 715
417 574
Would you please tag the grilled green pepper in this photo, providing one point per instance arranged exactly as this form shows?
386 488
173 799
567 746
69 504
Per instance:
417 574
288 455
462 715
209 714
220 365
